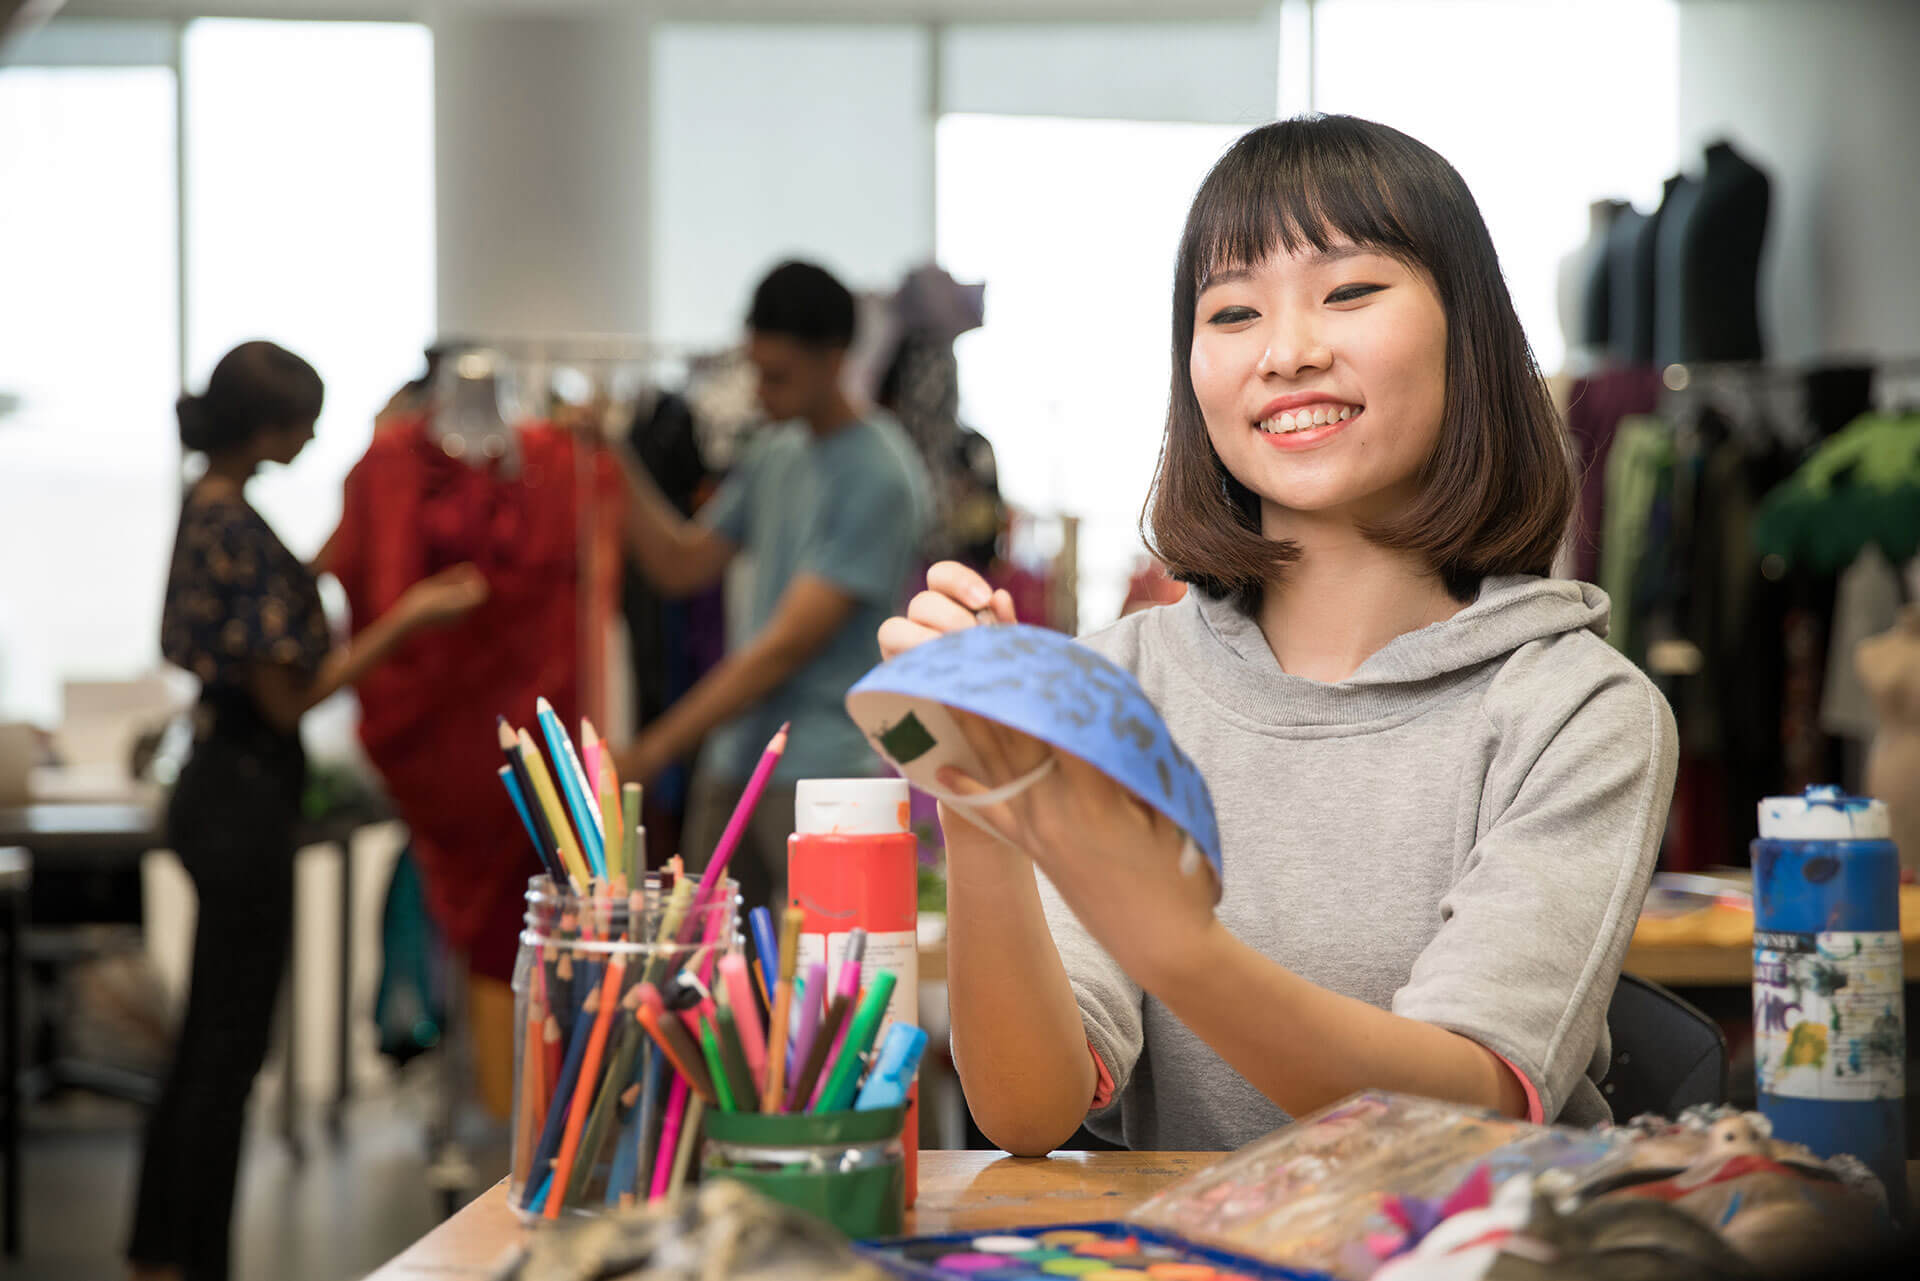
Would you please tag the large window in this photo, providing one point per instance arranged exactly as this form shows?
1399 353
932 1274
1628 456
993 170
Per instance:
1073 225
308 198
1543 108
89 361
309 180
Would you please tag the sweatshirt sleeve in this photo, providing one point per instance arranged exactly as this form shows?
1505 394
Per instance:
1109 1000
1536 924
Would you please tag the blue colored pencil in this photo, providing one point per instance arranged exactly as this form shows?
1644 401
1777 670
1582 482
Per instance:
566 767
766 952
512 784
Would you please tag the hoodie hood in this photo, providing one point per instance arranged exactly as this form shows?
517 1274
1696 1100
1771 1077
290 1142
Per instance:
1511 611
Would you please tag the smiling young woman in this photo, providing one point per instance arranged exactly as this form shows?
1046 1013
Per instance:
1439 790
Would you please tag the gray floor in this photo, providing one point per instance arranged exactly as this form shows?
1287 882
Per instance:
345 1210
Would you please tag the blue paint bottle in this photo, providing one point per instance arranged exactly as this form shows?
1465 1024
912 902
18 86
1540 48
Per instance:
1829 1039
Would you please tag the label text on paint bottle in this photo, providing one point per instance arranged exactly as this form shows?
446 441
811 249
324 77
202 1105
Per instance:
1827 1015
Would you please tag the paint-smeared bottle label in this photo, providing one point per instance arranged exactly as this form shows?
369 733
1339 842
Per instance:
1827 1015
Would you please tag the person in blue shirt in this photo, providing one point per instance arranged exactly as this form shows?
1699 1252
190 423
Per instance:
829 504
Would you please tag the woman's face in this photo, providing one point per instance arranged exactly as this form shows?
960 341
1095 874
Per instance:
1321 377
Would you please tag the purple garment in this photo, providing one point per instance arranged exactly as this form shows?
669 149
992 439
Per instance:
1596 408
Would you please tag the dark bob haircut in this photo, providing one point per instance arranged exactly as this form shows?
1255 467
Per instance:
1496 495
257 384
803 302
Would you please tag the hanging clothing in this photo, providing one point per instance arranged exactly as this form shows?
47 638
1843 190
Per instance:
427 714
1594 411
1637 466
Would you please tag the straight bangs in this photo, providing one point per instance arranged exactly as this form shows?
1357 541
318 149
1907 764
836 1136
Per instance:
1498 491
1280 197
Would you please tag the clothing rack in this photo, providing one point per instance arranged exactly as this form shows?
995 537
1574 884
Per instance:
571 348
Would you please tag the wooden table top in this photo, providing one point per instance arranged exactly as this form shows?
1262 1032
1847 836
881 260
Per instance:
959 1192
1714 947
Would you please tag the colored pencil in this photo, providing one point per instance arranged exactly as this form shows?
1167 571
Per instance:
626 1038
508 781
618 870
607 998
550 1135
570 855
782 1010
844 1077
809 1077
573 785
536 811
550 1063
530 1096
689 1138
746 1095
669 1138
650 1104
849 987
813 1007
673 1041
604 754
710 1051
746 1016
737 825
766 951
632 833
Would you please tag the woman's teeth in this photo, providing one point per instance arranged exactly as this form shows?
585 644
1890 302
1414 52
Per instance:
1318 416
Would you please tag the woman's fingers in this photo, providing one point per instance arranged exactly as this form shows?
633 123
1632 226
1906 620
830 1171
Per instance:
1003 606
964 585
939 611
898 635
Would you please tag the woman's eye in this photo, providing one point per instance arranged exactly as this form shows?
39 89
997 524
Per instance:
1231 316
1352 293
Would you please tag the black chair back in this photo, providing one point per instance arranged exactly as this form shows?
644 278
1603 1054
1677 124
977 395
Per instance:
1667 1055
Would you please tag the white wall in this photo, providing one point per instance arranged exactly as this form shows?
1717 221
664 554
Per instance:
1826 98
541 148
784 141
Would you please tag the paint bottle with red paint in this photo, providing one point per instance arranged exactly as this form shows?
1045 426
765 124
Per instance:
853 863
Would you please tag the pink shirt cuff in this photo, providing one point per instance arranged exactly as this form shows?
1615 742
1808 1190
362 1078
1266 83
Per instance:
1535 1113
1103 1081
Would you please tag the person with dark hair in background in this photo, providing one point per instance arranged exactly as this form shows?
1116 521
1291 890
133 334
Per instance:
243 614
831 504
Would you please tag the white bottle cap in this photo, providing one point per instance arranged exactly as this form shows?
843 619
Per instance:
850 806
1823 813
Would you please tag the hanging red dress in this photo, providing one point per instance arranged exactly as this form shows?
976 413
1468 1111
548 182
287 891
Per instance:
539 536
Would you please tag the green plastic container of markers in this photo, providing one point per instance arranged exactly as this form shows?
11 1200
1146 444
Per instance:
847 1168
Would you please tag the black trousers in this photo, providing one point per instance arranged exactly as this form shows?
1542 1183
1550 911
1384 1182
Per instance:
231 822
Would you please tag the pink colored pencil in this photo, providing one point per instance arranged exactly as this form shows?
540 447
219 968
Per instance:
733 973
736 826
669 1138
849 988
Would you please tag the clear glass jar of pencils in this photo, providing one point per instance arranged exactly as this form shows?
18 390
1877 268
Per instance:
605 1071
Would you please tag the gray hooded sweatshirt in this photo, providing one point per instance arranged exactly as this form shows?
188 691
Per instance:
1461 832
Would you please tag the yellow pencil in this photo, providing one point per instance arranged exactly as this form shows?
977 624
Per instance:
575 862
618 870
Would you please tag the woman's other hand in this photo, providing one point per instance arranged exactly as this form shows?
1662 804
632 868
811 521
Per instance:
952 600
1115 860
444 598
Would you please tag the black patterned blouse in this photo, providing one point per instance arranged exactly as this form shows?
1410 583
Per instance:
236 596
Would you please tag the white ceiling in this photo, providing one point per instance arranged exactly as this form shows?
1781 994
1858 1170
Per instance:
777 10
